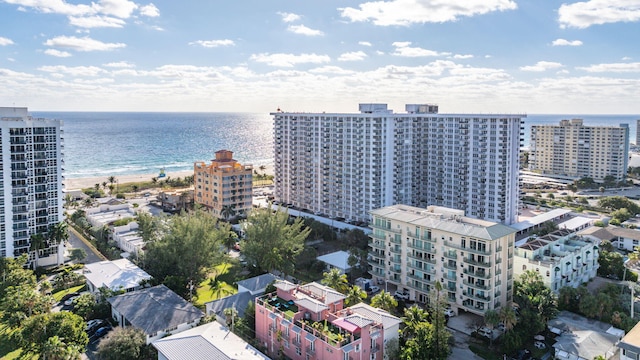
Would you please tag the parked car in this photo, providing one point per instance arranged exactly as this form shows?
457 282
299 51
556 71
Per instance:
449 313
69 296
373 289
401 295
485 331
99 334
69 301
540 345
92 324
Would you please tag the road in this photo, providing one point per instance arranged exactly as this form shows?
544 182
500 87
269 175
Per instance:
76 243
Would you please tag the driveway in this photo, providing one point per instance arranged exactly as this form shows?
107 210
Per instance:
76 243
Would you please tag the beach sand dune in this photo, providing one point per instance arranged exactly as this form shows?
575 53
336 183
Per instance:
82 183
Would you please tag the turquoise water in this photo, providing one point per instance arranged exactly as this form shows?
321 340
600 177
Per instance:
119 143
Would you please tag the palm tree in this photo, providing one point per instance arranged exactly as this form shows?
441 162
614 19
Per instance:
111 179
97 187
355 295
336 280
154 180
135 189
37 243
413 317
384 301
508 318
56 349
231 314
262 168
228 211
104 185
218 287
58 233
111 187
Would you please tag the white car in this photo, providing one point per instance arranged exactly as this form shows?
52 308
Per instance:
449 313
401 295
486 332
69 301
539 345
373 289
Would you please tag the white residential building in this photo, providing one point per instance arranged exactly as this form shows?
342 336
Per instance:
30 184
107 214
573 150
562 258
413 248
345 164
117 275
128 238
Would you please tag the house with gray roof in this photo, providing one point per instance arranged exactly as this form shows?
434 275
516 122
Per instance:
206 342
582 338
620 237
157 311
257 284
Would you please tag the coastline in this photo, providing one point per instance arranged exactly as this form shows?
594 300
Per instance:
87 182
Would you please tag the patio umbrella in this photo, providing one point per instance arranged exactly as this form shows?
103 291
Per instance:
539 337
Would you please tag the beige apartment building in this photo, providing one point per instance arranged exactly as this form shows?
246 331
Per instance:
413 248
224 186
572 150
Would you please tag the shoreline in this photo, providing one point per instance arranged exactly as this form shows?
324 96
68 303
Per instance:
70 184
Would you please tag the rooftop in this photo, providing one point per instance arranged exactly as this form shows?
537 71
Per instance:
115 275
257 282
540 219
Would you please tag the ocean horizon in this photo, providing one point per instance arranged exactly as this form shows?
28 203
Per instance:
126 143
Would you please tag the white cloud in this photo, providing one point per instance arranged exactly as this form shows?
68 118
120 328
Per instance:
120 65
213 43
303 30
542 66
118 8
364 43
583 14
82 44
626 58
4 41
334 70
73 70
55 7
403 49
289 60
460 56
563 42
352 56
89 22
57 53
149 10
613 67
289 17
407 12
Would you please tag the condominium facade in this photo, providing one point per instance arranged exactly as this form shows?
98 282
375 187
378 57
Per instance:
309 322
562 258
343 165
30 184
413 248
637 132
573 150
223 185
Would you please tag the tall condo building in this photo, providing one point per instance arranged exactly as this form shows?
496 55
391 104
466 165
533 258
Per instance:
472 259
638 132
573 150
224 186
345 165
30 186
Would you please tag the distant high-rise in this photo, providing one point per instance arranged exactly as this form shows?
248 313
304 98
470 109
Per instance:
225 186
573 150
637 132
31 181
345 165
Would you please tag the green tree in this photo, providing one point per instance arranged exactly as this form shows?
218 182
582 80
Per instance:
56 349
191 245
354 295
421 345
531 294
36 331
231 315
507 317
384 300
38 242
613 203
491 319
228 211
21 302
335 280
126 343
271 242
413 317
84 305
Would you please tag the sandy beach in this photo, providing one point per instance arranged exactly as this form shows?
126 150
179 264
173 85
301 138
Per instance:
81 183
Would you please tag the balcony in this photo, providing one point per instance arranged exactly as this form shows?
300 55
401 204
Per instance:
480 273
476 285
476 262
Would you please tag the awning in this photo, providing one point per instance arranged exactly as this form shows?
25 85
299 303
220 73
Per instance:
296 329
310 337
285 322
346 325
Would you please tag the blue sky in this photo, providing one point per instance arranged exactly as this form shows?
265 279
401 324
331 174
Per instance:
574 57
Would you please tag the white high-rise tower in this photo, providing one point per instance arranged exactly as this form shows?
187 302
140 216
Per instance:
30 184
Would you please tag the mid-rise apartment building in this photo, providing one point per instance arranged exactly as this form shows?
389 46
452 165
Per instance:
573 150
224 186
310 322
562 258
343 165
637 132
413 248
30 185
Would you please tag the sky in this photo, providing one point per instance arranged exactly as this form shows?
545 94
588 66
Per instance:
467 56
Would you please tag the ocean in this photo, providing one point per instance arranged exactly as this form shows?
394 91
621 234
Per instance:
126 143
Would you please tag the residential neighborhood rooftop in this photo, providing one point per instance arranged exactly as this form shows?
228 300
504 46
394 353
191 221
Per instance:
115 275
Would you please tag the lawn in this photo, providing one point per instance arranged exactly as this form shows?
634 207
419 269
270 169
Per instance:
8 347
58 295
226 274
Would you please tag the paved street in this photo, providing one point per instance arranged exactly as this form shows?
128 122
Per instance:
75 243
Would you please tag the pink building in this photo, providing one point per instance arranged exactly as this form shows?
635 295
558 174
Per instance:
308 322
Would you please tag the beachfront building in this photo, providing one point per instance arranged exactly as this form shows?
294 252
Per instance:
343 165
413 248
562 258
31 185
225 186
572 150
309 322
